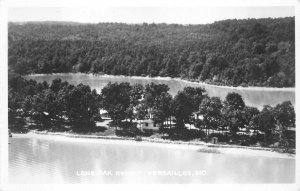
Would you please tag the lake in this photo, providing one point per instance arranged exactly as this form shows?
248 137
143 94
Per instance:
252 97
38 159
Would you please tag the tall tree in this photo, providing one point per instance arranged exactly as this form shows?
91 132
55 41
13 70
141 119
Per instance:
266 123
234 112
152 93
285 114
182 108
210 109
136 95
82 107
116 100
162 108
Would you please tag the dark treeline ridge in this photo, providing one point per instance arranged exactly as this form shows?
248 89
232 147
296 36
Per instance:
252 52
61 106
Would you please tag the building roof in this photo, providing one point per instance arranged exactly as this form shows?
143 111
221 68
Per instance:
147 121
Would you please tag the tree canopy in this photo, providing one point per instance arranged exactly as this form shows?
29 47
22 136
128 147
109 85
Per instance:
249 52
61 106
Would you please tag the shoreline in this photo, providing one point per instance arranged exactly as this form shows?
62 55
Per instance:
251 88
201 147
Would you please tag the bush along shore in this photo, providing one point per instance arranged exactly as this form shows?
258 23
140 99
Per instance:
122 110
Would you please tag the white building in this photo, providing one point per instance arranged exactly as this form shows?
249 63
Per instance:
148 124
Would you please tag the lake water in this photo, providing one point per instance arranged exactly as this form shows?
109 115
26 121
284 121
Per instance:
37 159
256 98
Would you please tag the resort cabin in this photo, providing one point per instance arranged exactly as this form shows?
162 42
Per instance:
291 129
242 133
104 114
148 124
255 132
197 115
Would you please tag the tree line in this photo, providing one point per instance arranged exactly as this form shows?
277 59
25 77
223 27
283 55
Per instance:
249 52
60 106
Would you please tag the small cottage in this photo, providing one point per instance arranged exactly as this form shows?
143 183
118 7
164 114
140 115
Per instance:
148 124
104 114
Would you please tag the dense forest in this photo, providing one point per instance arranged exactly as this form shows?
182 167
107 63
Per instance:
252 52
61 106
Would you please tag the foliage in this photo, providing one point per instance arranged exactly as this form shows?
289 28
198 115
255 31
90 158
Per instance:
249 52
210 109
46 105
162 108
60 106
116 100
265 122
234 112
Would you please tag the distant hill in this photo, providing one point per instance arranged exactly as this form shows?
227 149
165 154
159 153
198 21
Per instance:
255 52
47 23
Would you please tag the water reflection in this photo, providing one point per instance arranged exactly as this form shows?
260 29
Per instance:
251 97
46 160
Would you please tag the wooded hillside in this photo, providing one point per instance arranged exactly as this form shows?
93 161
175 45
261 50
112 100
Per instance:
252 52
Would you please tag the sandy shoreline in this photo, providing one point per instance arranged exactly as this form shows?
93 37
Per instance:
195 146
252 88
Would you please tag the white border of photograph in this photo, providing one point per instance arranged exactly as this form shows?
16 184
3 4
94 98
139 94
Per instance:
4 5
